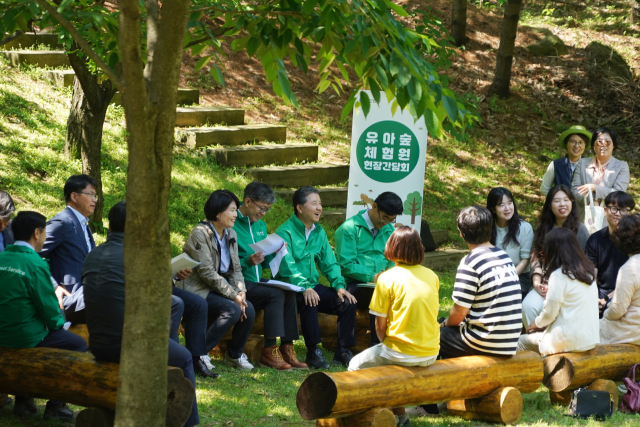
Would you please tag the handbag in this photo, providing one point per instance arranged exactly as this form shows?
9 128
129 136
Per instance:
631 401
594 218
591 403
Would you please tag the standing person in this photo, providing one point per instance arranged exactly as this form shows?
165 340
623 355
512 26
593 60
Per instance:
568 321
218 278
69 240
103 278
510 233
360 245
30 312
603 252
560 171
308 244
280 307
559 211
6 211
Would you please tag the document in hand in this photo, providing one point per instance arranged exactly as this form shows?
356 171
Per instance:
272 243
275 262
283 285
181 262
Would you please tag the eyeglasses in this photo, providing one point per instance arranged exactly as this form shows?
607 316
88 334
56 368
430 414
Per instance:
262 210
615 210
604 142
576 142
386 221
94 196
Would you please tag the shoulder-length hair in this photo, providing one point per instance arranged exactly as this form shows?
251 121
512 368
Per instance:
548 219
494 199
404 246
627 235
562 251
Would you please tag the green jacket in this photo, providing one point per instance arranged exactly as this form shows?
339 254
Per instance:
28 303
299 266
360 255
249 234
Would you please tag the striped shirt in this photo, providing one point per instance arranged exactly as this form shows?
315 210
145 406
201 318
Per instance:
487 283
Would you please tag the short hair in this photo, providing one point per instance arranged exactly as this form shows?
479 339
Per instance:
404 246
389 203
259 192
300 196
627 235
621 199
474 223
218 202
118 217
601 131
583 137
6 206
25 224
77 183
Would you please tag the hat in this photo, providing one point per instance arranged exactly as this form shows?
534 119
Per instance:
573 129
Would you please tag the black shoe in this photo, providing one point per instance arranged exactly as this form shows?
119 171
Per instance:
315 359
201 370
25 407
342 357
58 411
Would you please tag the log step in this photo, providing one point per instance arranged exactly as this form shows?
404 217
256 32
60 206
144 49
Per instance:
200 116
185 97
299 175
444 260
261 155
60 78
331 196
28 40
39 58
231 135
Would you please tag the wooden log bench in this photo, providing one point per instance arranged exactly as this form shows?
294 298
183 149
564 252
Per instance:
476 387
79 379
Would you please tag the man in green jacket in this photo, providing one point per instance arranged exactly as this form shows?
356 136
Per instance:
31 315
360 243
307 244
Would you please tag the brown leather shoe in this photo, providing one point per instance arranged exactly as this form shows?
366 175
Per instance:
271 358
289 355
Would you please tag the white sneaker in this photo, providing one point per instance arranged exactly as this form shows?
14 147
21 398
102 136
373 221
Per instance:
207 361
240 363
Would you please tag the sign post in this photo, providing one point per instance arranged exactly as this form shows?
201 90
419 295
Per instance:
388 153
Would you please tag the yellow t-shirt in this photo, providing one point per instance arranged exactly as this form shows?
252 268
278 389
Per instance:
408 295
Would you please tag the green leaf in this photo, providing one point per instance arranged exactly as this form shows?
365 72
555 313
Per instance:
404 76
382 75
375 90
286 87
217 74
323 85
202 62
431 120
415 90
451 106
252 45
396 8
348 106
308 7
365 103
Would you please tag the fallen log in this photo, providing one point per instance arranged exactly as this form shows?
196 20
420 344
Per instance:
564 397
377 417
569 371
4 399
503 405
332 395
95 417
81 330
253 348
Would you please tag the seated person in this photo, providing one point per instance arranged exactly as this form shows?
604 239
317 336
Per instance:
6 210
308 244
560 171
620 323
569 318
104 296
601 250
360 245
280 311
218 279
30 310
405 305
559 211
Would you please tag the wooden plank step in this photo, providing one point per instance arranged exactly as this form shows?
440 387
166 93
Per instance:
440 237
231 135
185 97
330 196
61 78
39 58
299 175
444 260
260 155
200 116
28 40
332 217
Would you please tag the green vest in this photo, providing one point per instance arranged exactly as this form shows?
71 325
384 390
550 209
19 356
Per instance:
361 256
248 234
299 266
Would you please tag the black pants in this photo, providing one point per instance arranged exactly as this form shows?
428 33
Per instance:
525 283
329 304
192 309
363 295
224 314
452 344
280 311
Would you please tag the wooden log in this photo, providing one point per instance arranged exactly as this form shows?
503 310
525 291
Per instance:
376 417
95 417
503 405
569 371
3 400
564 397
253 348
81 330
336 394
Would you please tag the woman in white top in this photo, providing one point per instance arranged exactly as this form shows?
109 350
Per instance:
510 233
569 319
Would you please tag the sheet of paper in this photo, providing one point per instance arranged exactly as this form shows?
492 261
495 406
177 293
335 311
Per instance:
181 262
283 285
367 285
275 262
272 243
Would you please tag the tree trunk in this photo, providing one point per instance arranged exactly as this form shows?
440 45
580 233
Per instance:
504 59
634 13
503 405
459 22
149 98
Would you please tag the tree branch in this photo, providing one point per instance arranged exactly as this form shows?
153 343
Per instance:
249 12
217 33
6 40
82 43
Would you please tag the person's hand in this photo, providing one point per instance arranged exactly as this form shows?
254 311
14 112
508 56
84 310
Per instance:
584 189
311 297
256 258
239 299
61 292
541 288
375 278
183 274
343 293
601 303
533 328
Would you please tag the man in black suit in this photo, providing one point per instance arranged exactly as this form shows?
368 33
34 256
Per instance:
69 240
6 210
